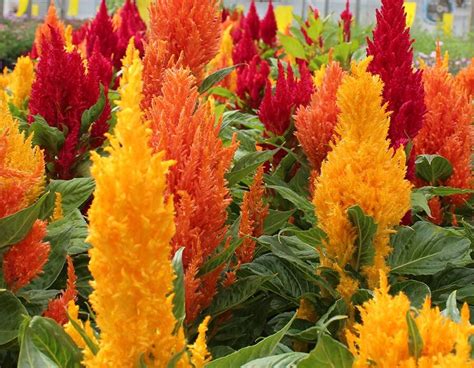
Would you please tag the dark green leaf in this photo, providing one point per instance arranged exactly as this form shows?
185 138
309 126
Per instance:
247 164
260 350
93 113
416 291
328 353
15 227
179 309
426 249
419 203
276 220
45 136
300 202
215 78
77 225
415 341
11 316
366 229
277 361
220 258
45 344
433 168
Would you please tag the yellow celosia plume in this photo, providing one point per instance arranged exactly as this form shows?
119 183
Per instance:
21 80
382 338
199 353
361 169
73 312
131 226
224 58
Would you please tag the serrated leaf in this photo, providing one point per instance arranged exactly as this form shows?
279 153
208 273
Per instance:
366 229
11 316
179 308
433 168
93 113
415 341
247 164
292 46
260 350
45 136
215 78
15 227
328 353
426 249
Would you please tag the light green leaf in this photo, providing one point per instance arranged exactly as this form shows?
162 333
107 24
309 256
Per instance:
179 307
277 361
292 46
328 353
415 341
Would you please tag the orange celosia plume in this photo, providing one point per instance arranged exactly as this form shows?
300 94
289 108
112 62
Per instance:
465 79
186 131
447 127
253 213
44 31
25 260
315 123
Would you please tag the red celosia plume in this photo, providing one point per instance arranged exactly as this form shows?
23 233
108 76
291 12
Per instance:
268 26
57 307
131 25
244 50
25 260
252 22
251 81
43 32
101 31
346 20
186 131
315 123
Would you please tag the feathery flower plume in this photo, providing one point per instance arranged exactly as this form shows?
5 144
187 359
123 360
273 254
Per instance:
43 32
253 213
132 180
252 22
185 130
346 20
58 207
21 167
200 356
21 80
359 161
465 79
315 123
191 28
447 128
57 307
73 312
384 323
392 53
244 50
251 82
224 58
268 26
25 260
101 32
276 109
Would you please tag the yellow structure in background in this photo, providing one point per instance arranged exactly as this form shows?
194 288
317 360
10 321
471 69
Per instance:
142 6
22 7
73 8
410 9
447 25
34 10
284 17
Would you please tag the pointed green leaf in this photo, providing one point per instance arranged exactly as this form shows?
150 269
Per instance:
415 341
93 113
248 164
215 78
433 168
292 46
45 136
366 229
328 353
11 316
179 309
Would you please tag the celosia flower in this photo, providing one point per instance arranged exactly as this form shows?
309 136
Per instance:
190 28
200 356
465 79
134 313
392 53
245 49
252 22
447 128
57 307
251 81
308 40
186 131
359 161
253 212
346 20
4 81
58 207
268 26
73 312
21 80
276 109
24 261
315 123
101 31
21 167
43 32
384 324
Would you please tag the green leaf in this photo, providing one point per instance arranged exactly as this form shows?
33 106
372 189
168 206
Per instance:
315 29
426 249
419 203
179 309
220 258
45 344
260 350
77 225
237 293
292 46
11 316
276 220
93 113
313 236
416 291
443 191
451 311
15 227
88 341
215 78
74 193
415 341
449 280
433 168
247 164
48 137
300 202
366 229
328 353
277 361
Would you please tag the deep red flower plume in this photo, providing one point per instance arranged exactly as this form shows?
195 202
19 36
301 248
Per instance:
252 22
131 25
251 81
268 26
101 31
245 49
346 20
